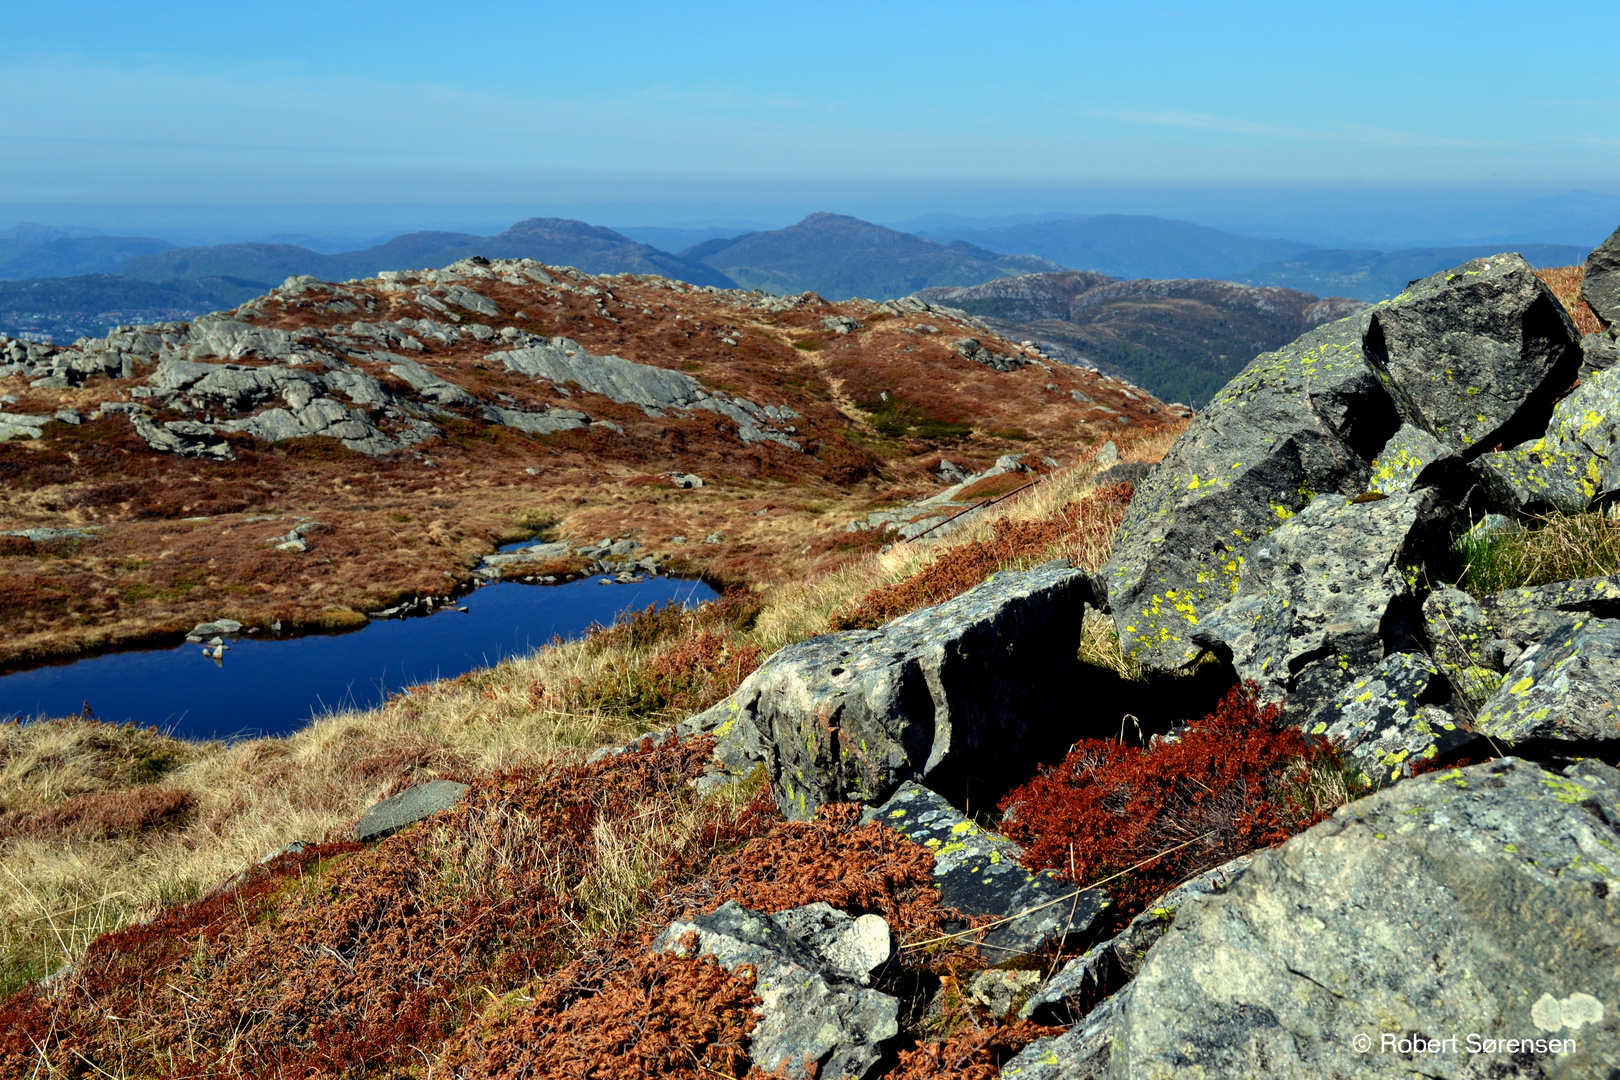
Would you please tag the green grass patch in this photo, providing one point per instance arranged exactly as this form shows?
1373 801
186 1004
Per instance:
1554 547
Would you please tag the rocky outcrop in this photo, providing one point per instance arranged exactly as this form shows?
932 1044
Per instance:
1472 357
812 966
980 873
850 716
566 363
1327 594
1600 285
1575 461
1477 904
1561 688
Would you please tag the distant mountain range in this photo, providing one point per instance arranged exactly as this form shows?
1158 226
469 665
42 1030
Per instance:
1378 275
556 241
1181 339
1132 246
841 257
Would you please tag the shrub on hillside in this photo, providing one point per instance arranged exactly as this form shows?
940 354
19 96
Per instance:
1079 531
101 814
1231 783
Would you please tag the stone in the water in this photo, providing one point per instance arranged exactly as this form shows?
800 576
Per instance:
408 807
212 629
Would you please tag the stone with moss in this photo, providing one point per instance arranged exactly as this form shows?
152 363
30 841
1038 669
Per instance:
1562 688
970 685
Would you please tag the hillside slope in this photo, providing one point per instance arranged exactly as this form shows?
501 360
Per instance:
840 257
39 253
1181 339
408 424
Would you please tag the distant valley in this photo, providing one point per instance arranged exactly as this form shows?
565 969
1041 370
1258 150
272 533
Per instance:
1183 339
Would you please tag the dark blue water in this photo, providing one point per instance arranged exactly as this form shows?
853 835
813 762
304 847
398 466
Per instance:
266 686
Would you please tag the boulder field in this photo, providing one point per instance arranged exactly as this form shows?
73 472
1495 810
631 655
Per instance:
1460 921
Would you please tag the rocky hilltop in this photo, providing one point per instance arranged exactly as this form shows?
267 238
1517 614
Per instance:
1182 338
1391 849
407 423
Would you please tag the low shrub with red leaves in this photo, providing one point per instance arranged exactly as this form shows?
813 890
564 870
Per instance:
975 1054
1236 781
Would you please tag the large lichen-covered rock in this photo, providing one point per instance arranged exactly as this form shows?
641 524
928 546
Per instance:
1463 641
1563 687
810 966
1107 966
1525 616
1302 420
972 682
1476 354
1389 719
981 873
1328 594
1600 285
1481 901
1576 460
1473 357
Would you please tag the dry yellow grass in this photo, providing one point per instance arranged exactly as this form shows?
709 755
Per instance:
253 797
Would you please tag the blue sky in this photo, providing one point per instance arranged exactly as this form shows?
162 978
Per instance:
407 114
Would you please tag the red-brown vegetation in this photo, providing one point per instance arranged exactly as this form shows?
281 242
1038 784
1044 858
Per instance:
101 814
1565 283
974 1054
1231 783
1074 531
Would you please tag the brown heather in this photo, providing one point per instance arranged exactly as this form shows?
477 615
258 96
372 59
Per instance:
1565 283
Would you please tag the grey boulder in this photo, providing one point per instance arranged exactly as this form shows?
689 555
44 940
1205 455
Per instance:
1575 460
1600 286
850 716
1327 595
981 873
408 807
1563 688
1390 719
810 965
1479 902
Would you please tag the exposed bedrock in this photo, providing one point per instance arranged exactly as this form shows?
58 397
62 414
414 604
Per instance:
1471 358
972 684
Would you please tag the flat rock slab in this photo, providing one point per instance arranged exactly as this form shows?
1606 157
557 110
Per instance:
849 717
1525 616
1562 688
979 873
408 807
809 965
1480 901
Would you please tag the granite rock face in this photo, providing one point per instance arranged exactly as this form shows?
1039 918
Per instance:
1576 460
850 716
1390 719
1564 687
1477 354
1327 595
1470 358
980 873
810 965
1483 900
1600 286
